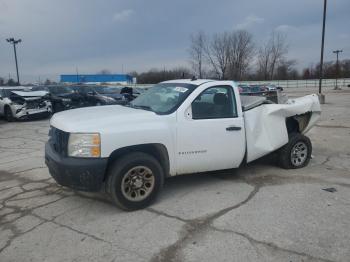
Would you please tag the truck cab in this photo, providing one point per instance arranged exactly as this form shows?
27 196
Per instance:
176 127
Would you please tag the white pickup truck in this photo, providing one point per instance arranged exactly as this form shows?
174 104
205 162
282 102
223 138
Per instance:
176 127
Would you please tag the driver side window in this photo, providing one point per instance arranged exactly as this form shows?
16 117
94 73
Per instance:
215 102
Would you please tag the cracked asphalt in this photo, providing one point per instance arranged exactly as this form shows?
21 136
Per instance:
257 213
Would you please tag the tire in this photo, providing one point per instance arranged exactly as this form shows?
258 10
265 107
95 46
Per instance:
8 114
297 153
134 181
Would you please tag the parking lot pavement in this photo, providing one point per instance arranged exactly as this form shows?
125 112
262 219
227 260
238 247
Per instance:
257 213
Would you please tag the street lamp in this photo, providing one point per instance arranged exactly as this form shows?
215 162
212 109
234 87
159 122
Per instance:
337 68
320 95
14 43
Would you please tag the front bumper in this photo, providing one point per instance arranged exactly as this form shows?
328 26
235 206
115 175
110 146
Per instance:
77 173
32 113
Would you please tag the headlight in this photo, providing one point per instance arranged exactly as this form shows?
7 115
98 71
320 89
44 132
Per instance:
84 145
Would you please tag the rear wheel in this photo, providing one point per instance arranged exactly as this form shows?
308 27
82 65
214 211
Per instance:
135 180
8 114
297 153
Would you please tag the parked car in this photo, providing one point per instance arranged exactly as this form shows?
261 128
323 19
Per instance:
257 89
122 95
270 87
21 103
244 89
113 92
176 127
91 97
62 97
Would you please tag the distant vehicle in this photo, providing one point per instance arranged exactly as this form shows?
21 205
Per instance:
270 87
62 97
257 89
22 103
92 97
243 88
121 95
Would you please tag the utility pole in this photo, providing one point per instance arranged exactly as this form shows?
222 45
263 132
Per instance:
320 95
76 69
14 43
337 68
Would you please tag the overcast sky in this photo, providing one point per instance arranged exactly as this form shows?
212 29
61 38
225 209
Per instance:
62 35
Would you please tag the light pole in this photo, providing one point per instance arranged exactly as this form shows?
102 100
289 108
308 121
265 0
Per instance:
14 43
337 68
320 95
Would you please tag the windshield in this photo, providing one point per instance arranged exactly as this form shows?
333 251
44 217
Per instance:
57 90
40 88
83 89
163 98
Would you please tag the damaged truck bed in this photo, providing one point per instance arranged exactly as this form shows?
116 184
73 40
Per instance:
176 127
268 125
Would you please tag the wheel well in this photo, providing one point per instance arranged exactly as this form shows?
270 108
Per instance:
158 151
292 125
297 123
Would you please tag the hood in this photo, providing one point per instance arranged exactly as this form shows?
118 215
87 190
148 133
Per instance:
30 93
99 118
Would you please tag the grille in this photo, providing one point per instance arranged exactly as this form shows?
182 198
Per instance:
35 104
59 140
32 105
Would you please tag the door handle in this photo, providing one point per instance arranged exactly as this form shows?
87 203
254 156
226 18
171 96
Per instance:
233 128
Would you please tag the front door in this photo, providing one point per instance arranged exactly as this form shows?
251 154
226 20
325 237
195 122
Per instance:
210 132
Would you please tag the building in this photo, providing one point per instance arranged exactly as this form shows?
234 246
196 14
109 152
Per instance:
97 79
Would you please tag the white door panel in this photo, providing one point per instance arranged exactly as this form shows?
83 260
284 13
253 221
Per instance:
210 143
206 145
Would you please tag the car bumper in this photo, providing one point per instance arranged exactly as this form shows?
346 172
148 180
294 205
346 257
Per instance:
77 173
33 113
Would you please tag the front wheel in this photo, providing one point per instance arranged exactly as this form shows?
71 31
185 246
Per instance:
135 180
297 153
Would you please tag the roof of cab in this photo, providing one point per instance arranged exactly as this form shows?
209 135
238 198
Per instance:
190 81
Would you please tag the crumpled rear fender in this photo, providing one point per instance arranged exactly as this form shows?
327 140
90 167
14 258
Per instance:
265 125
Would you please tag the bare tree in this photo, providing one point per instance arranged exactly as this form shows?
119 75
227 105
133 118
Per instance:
196 52
217 53
286 70
241 53
271 54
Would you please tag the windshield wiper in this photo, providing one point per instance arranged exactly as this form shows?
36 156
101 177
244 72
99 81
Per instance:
148 108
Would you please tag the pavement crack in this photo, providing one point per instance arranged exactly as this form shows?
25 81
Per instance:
16 234
29 169
161 213
193 228
81 232
270 245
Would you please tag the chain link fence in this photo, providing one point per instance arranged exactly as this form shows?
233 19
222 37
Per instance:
309 83
312 83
